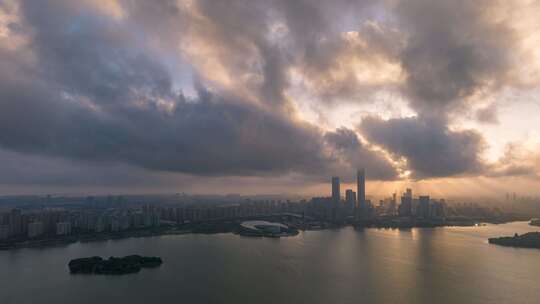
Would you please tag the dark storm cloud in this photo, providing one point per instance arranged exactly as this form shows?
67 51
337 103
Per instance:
453 50
88 86
99 99
203 136
92 56
431 149
94 93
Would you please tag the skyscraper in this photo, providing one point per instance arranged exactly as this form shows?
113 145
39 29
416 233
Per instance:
409 192
335 189
350 199
361 188
405 209
350 196
423 206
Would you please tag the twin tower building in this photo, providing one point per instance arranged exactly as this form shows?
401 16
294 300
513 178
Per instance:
357 199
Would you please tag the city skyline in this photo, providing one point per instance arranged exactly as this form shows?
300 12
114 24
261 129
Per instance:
48 221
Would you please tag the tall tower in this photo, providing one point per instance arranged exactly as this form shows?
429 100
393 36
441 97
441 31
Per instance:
350 199
361 188
335 189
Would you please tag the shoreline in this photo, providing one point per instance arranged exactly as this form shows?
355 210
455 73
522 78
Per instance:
58 242
529 240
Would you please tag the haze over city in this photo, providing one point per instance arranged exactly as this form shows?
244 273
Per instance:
269 96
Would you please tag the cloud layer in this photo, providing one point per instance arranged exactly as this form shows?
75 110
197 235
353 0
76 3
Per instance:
208 88
431 149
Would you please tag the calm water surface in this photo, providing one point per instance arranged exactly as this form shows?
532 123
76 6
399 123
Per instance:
442 265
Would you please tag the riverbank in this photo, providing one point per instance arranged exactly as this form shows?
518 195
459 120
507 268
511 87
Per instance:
85 238
233 227
527 240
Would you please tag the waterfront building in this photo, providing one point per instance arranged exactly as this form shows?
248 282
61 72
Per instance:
263 227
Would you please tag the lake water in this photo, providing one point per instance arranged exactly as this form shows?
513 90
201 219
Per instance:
441 265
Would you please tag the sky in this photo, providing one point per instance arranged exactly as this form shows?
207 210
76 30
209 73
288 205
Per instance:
269 96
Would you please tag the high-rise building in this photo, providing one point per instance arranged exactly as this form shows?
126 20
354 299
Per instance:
350 199
361 192
393 204
335 189
350 196
423 207
361 187
405 209
408 193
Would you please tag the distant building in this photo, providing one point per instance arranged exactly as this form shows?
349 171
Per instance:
322 207
115 225
392 210
350 200
423 206
15 222
405 208
151 216
361 187
336 194
35 229
438 209
101 224
124 222
361 206
408 192
4 232
63 228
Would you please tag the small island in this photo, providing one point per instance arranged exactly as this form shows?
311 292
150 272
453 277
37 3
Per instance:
535 222
527 240
113 265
